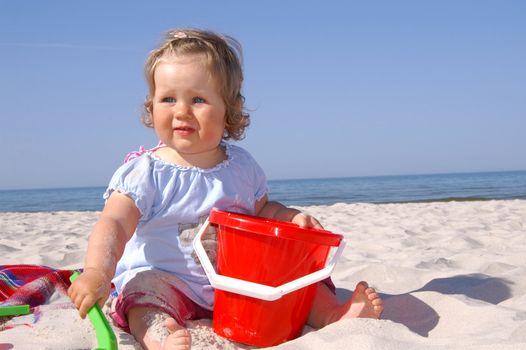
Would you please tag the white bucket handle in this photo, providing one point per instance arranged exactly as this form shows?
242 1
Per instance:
256 290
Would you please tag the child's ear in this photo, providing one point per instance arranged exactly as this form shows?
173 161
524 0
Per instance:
150 111
239 103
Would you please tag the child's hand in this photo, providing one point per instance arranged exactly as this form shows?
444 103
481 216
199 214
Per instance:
90 287
306 221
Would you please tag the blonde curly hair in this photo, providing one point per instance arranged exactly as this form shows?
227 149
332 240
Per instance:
224 59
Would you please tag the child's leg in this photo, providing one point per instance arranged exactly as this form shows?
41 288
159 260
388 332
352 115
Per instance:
327 309
153 309
156 330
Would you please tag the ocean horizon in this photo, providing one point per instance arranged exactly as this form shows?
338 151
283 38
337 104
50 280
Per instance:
320 191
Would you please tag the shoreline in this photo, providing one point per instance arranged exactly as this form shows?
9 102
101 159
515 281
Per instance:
423 201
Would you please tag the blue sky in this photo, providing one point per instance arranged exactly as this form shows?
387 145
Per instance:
335 88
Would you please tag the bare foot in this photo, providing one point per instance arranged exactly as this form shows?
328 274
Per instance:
179 337
365 303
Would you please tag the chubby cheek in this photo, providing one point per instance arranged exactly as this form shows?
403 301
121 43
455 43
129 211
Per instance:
212 123
160 115
219 130
162 125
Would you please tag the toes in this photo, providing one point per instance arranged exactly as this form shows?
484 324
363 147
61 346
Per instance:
171 324
378 309
180 339
377 302
361 287
371 295
179 336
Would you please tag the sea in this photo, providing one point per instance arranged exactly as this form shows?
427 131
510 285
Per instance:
303 192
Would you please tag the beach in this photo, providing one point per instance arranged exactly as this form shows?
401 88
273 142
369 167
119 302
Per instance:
452 276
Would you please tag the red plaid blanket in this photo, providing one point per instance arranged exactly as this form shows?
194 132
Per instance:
31 284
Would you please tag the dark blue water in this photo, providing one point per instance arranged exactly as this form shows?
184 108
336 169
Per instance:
380 189
54 199
401 189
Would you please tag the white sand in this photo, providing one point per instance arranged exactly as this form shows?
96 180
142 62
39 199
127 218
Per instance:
452 275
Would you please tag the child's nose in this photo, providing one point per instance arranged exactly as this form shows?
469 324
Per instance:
181 110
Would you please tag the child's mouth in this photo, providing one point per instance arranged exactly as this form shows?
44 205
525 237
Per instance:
184 130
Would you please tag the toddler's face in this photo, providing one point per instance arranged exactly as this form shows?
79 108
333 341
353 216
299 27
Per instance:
188 109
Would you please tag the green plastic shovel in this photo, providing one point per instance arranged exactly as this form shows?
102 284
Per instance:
105 336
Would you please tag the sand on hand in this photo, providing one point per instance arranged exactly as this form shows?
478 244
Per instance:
452 276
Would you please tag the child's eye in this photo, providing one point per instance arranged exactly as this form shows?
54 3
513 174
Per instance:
199 100
168 100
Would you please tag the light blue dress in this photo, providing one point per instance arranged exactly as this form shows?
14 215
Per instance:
174 201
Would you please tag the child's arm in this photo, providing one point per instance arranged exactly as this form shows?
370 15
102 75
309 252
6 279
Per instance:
106 245
277 211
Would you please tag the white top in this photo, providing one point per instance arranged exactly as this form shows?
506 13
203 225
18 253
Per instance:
174 201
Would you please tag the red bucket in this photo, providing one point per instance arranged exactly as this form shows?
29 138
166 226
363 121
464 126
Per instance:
266 274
